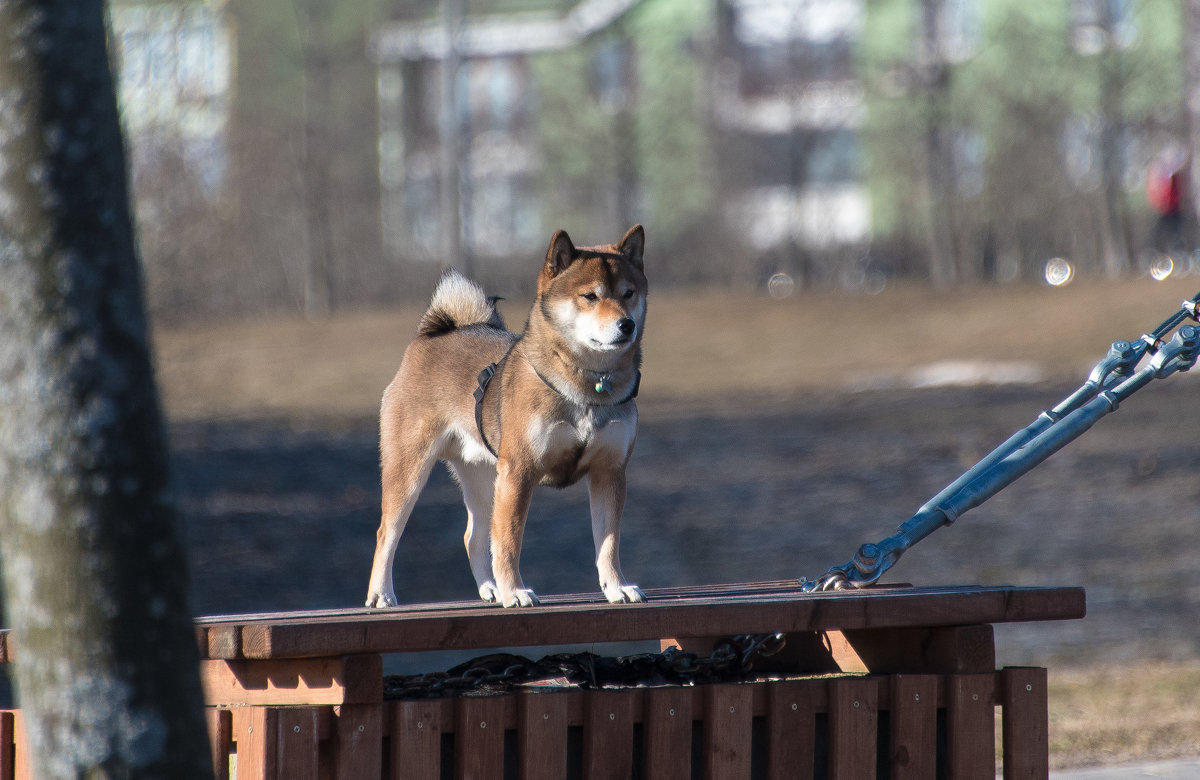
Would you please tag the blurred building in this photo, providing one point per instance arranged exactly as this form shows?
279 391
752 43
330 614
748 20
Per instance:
498 160
788 104
841 142
174 82
768 89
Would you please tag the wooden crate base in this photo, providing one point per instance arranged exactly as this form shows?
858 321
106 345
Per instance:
838 726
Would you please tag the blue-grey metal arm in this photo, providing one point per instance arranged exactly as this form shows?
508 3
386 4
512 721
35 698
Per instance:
1110 382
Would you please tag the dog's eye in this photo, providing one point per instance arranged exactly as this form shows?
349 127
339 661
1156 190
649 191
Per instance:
628 294
590 297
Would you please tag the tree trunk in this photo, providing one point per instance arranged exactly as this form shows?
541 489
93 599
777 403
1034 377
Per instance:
317 163
1119 234
1191 106
94 575
939 166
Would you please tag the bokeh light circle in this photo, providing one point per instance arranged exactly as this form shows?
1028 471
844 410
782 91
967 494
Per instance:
1058 272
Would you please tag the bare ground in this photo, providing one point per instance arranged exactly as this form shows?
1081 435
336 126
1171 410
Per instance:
755 460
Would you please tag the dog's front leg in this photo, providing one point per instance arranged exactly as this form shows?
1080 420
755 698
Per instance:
606 491
514 489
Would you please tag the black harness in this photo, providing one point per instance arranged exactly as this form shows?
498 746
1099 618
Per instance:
488 373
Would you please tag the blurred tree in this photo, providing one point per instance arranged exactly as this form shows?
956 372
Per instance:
1191 96
624 131
94 576
1034 131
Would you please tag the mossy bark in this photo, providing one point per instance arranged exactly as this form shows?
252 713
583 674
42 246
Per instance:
94 574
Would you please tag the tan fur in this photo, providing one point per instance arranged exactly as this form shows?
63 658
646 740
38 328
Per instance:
543 413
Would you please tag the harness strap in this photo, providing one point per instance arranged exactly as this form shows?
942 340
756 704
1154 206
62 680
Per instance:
485 378
489 372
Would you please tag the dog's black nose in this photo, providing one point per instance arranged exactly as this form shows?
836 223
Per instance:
626 325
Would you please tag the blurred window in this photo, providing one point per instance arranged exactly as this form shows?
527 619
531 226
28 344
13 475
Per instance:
959 29
1097 25
775 22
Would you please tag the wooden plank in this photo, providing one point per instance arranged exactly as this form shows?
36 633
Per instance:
769 587
256 731
298 743
542 735
221 641
359 740
913 737
792 706
23 765
728 722
8 743
971 725
941 650
853 727
479 738
404 630
416 738
667 732
356 679
1025 723
608 734
220 740
6 650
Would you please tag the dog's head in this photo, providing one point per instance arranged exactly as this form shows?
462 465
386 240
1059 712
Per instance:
596 296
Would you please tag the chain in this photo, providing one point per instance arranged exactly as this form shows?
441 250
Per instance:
731 658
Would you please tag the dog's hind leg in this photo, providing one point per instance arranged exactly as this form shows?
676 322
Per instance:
478 482
404 468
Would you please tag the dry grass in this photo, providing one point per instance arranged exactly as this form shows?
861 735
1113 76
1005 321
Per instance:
702 347
1122 714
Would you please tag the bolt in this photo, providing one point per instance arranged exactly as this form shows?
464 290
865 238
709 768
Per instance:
296 729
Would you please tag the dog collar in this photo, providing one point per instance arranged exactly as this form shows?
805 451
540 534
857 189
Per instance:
602 386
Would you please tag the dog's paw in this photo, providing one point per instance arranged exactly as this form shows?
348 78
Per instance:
521 597
624 594
381 600
488 592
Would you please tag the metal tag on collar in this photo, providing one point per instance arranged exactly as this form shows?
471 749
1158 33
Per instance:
603 385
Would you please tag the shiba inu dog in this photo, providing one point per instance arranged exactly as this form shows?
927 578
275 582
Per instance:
507 412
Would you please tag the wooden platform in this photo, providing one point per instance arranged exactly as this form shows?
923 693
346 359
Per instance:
888 681
668 613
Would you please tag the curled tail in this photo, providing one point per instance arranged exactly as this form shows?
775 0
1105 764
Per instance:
458 302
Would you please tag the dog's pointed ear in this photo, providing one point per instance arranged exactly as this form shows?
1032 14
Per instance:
632 245
560 255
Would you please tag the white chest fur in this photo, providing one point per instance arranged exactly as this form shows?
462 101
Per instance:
607 430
